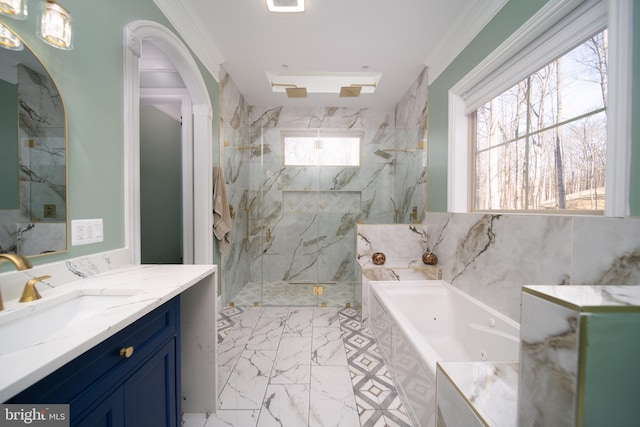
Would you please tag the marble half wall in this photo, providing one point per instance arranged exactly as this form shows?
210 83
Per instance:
491 257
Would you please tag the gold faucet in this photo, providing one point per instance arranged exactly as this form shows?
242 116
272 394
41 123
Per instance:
20 262
30 293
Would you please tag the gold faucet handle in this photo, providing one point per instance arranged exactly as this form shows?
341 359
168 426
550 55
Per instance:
30 293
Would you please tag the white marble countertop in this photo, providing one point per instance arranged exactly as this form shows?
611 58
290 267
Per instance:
156 284
491 388
591 298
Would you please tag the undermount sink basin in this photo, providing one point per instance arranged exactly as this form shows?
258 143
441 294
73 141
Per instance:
31 325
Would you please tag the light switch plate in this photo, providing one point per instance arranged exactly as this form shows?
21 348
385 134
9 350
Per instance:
85 231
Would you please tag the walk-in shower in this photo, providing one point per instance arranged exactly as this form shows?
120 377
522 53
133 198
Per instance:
293 235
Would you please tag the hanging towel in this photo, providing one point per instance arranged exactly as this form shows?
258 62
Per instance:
221 214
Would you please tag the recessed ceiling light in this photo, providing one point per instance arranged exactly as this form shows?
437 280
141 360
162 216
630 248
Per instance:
285 5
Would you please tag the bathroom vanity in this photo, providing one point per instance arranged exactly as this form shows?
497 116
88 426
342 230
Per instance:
143 359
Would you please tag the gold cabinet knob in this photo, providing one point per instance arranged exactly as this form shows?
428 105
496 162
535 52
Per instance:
126 352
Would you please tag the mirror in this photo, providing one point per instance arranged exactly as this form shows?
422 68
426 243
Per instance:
33 157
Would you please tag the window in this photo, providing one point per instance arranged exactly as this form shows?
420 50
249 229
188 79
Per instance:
541 145
557 28
315 149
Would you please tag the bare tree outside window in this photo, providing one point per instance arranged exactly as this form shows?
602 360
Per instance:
541 145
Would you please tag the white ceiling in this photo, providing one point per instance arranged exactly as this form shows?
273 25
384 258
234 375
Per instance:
397 38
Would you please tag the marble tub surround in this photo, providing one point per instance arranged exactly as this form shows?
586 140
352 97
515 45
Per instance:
145 288
579 356
477 394
63 272
492 256
402 244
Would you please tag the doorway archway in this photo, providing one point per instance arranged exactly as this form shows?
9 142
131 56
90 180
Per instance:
197 203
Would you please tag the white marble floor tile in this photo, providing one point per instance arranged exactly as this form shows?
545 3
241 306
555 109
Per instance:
332 401
285 406
293 361
326 317
194 420
266 334
299 322
327 347
233 345
248 380
233 418
224 372
281 312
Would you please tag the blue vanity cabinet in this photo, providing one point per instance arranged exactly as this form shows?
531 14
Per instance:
110 386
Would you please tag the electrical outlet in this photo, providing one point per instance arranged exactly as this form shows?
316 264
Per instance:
317 290
85 231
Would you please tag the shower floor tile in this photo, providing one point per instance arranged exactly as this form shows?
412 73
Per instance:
295 294
288 387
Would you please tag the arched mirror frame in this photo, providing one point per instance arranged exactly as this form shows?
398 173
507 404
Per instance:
42 229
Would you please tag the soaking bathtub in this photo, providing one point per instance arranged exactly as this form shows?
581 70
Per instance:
419 323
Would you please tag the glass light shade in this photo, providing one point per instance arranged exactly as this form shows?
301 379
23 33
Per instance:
54 26
8 40
14 8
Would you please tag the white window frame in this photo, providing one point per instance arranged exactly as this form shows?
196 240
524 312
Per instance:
558 26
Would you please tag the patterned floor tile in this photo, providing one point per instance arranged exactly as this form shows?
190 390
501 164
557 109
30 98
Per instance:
377 403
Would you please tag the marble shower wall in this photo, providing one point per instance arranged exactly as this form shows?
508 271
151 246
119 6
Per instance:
312 212
492 256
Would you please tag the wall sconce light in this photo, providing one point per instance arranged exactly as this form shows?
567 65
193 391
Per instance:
8 40
17 9
54 26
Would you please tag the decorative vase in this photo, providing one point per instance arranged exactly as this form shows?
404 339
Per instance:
429 258
378 258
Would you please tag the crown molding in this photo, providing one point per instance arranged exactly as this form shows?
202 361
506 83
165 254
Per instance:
193 32
464 30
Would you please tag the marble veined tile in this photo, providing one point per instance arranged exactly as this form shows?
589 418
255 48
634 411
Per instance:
233 344
233 418
332 402
327 317
293 361
299 323
328 347
247 384
266 334
285 406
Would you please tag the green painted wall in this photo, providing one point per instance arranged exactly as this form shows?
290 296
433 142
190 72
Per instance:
90 78
8 145
511 17
160 187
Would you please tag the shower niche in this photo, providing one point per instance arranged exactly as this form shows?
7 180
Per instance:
294 226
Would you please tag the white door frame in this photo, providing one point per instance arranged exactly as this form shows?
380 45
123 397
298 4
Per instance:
198 225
